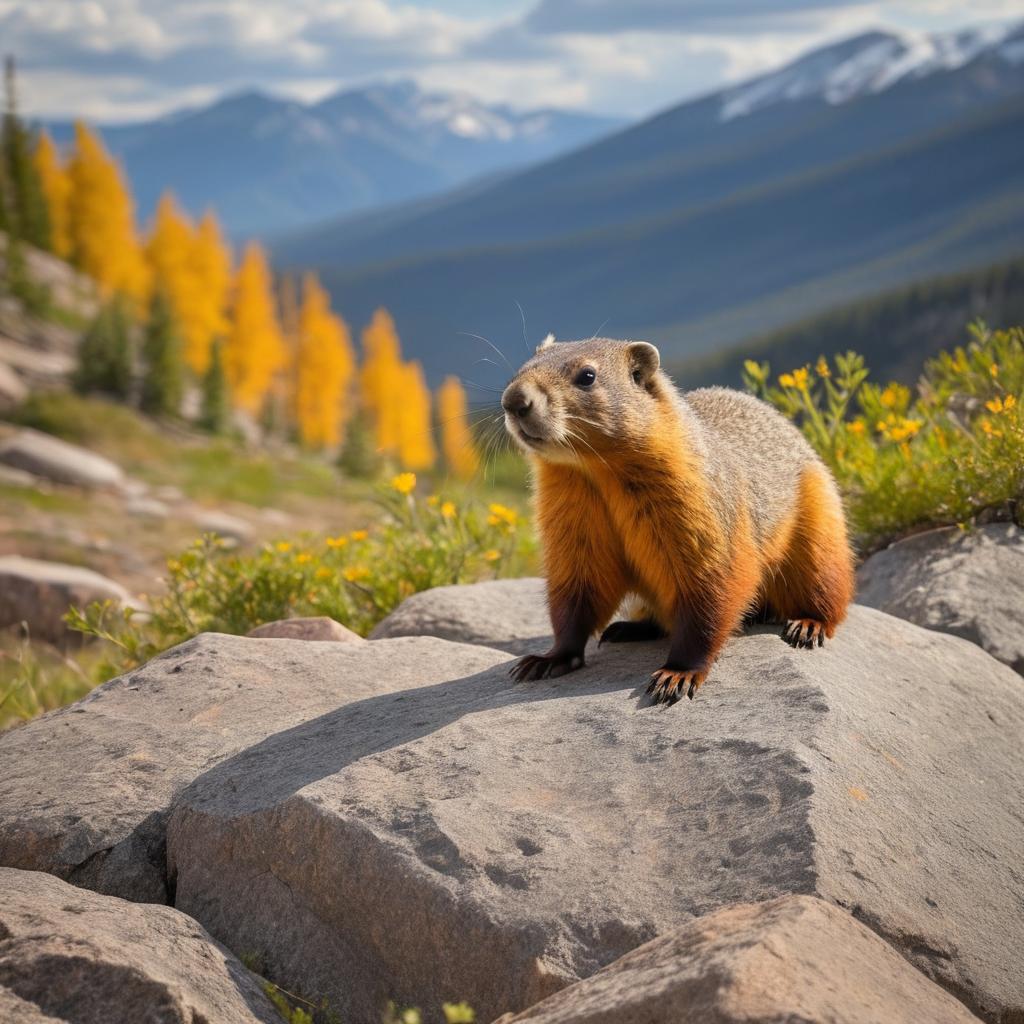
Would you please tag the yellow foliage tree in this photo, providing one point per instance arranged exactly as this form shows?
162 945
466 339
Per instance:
324 368
206 320
193 269
457 441
254 349
101 220
416 437
381 380
56 183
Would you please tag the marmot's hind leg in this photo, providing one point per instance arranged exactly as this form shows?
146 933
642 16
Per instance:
627 631
813 586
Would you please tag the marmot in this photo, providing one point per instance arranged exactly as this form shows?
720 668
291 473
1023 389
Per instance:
710 507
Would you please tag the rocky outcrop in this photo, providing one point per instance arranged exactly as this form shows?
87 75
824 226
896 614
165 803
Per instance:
85 791
59 461
469 838
71 955
314 627
792 959
13 390
969 583
510 615
39 594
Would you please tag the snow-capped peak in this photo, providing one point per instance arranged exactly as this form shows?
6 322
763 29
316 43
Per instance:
868 64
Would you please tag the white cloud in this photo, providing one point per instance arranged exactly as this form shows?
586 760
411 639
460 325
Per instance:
125 59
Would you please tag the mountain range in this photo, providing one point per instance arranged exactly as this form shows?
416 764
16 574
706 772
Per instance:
859 167
267 164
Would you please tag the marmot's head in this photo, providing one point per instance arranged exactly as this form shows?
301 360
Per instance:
580 398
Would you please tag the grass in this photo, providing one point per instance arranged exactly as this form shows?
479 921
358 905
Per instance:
35 678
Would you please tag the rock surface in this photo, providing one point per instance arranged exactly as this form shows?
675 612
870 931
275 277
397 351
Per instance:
535 833
511 615
224 524
13 390
39 593
71 955
314 627
85 791
59 461
970 584
796 958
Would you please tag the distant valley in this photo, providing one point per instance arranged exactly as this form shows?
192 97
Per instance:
858 168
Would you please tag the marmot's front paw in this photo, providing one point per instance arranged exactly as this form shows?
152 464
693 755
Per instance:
543 666
804 633
667 685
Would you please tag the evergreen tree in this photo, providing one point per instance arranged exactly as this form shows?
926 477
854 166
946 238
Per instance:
105 358
213 411
162 383
27 215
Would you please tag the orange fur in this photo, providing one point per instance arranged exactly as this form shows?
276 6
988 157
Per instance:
641 521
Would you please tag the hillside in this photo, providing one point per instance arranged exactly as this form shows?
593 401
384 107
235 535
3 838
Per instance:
268 163
895 332
701 226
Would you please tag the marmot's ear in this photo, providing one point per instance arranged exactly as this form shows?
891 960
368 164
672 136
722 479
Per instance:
644 359
546 343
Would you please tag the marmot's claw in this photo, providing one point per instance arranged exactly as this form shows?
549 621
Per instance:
544 666
667 685
805 633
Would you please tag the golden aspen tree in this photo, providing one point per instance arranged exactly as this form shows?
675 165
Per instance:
415 440
56 184
323 370
254 349
381 380
168 253
101 220
206 318
457 442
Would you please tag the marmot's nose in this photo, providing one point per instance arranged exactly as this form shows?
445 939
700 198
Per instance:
516 402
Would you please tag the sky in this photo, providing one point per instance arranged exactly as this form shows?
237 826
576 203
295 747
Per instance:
123 60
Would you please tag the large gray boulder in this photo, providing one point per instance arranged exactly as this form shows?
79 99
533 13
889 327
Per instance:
969 583
39 594
85 791
796 958
71 955
56 460
315 628
511 615
494 842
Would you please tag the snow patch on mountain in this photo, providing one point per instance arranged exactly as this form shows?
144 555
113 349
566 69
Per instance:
870 64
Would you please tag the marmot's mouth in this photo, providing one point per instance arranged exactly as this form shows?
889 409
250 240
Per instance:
529 438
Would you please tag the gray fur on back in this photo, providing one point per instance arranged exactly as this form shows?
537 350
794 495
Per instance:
751 448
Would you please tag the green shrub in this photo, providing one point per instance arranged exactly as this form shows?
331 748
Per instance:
35 678
905 461
105 354
356 578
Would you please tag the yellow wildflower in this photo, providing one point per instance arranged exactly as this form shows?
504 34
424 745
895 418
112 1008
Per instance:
433 500
492 556
448 510
303 557
283 546
822 367
905 428
994 404
359 535
355 572
787 381
994 369
323 573
501 514
1009 402
337 542
856 427
404 483
800 378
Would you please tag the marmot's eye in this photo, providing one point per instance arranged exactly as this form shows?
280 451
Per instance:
585 378
637 376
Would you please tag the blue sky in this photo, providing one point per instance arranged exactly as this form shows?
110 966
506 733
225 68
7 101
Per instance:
129 59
